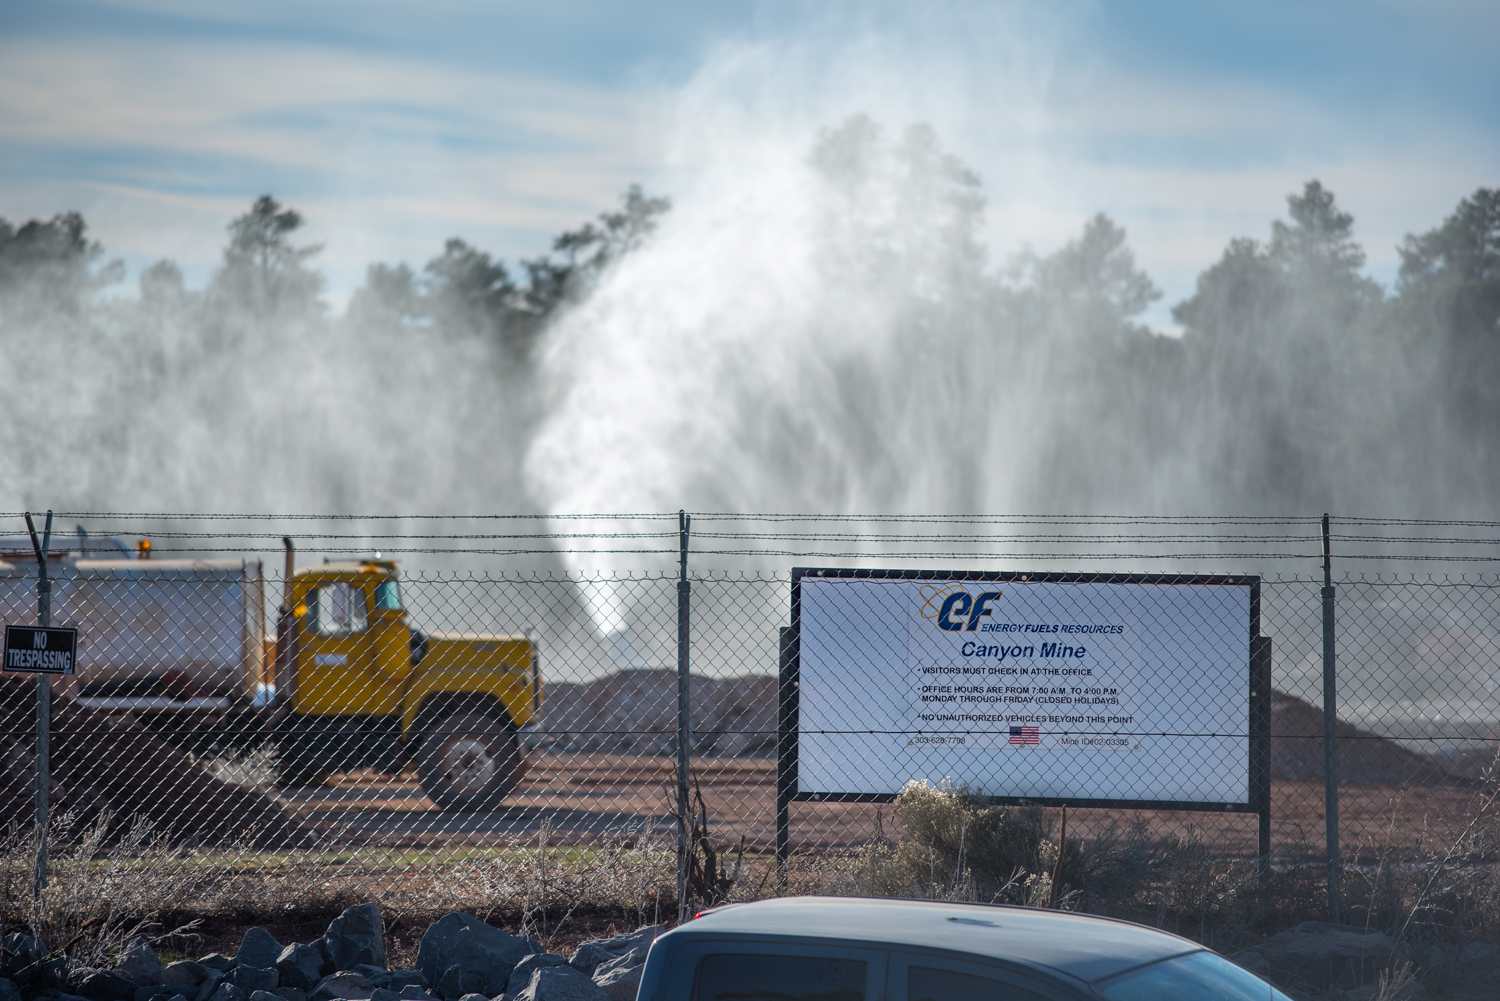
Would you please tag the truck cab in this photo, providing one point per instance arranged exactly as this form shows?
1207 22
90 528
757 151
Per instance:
356 686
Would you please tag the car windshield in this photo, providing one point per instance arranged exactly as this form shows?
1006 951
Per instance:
1198 976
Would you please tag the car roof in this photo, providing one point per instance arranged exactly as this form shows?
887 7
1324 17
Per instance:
1080 945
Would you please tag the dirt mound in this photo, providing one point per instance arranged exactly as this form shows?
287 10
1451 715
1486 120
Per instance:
111 764
1297 750
635 712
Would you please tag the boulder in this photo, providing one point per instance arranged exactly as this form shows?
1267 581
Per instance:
521 975
620 981
228 992
1480 958
254 978
154 991
356 936
259 948
381 994
392 980
460 954
342 984
209 985
559 983
265 996
590 955
8 990
217 961
301 966
292 993
1325 957
21 957
139 963
183 973
106 985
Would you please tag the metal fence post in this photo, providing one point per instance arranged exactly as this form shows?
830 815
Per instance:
1260 742
43 711
684 722
784 758
1330 732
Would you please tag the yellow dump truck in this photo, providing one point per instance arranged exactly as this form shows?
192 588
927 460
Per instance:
346 683
356 686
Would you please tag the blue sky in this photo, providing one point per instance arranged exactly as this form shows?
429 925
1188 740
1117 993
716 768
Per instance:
394 126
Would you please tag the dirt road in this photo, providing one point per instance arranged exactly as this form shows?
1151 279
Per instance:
599 798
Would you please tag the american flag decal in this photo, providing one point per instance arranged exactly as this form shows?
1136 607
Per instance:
1025 735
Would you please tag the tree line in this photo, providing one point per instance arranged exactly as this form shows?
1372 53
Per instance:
1296 384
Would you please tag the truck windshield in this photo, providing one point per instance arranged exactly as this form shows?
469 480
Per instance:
388 595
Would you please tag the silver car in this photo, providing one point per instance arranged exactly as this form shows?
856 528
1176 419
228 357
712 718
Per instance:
856 949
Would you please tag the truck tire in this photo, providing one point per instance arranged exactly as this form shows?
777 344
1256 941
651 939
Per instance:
469 762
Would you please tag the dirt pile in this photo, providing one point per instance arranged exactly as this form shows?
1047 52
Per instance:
635 712
103 763
1297 750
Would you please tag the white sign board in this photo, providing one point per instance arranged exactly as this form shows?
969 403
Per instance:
1135 690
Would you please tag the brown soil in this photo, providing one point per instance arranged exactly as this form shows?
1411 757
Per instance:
107 765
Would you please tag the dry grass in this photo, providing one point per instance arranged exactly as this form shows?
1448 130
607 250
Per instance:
106 887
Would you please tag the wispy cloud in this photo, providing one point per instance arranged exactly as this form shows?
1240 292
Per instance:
390 144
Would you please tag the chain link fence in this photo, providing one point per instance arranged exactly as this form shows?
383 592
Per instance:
441 735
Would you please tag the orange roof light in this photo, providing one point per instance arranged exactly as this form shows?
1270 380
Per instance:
143 549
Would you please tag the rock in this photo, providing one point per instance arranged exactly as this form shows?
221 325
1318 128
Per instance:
559 983
342 984
462 955
265 996
467 997
210 984
217 961
254 978
521 975
178 997
292 993
107 985
154 991
356 936
1324 957
392 980
619 980
139 963
183 973
590 955
259 949
228 992
63 974
412 993
1480 957
8 990
21 958
381 994
301 966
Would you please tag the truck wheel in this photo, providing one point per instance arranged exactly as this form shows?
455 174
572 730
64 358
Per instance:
468 762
